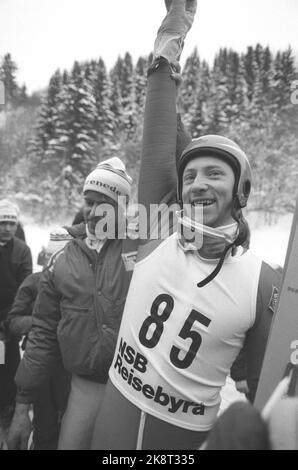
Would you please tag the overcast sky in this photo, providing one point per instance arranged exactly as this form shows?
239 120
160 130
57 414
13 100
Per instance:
43 35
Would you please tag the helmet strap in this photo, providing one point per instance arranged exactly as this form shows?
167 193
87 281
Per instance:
241 240
217 269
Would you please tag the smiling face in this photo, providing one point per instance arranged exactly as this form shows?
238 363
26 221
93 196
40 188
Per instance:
93 199
209 181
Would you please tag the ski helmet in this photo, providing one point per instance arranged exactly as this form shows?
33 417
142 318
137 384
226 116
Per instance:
224 149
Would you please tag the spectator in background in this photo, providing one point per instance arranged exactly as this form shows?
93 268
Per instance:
20 229
51 399
15 266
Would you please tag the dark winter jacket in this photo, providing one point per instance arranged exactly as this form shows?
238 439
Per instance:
78 312
15 266
19 319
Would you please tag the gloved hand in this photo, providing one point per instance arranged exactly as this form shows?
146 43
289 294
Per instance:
172 32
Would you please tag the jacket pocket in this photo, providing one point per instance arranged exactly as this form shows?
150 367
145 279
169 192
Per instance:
112 311
77 335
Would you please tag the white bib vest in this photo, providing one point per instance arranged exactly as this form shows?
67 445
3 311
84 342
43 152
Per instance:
177 342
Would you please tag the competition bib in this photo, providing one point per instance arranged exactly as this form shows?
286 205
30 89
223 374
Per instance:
177 342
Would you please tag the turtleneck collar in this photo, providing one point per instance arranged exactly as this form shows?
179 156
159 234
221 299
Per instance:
210 242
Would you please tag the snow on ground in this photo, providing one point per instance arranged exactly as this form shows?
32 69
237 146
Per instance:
270 242
36 237
267 241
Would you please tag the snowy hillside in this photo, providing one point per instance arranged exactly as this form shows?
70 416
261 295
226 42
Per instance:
270 242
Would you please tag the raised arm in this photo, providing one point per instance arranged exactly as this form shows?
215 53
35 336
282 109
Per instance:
157 173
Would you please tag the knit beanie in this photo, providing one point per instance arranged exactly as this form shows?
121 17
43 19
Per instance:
109 178
8 211
58 239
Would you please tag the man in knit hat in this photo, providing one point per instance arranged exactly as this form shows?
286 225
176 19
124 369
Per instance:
106 192
15 266
78 311
8 220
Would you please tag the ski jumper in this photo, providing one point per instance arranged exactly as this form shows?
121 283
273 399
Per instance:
177 342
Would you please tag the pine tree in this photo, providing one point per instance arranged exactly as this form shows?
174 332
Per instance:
127 80
116 95
77 120
76 75
198 123
140 85
267 75
250 68
8 71
219 100
188 94
21 96
124 70
284 74
105 120
46 130
65 77
239 99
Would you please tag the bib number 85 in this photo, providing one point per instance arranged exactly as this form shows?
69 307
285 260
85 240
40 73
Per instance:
159 316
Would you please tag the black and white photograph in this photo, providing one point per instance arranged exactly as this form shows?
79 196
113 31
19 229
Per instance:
148 227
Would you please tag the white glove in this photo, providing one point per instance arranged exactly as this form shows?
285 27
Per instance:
172 32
